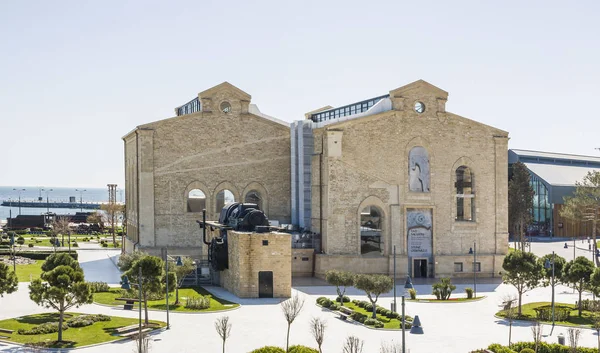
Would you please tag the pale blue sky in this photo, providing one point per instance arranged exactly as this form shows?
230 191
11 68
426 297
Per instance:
75 76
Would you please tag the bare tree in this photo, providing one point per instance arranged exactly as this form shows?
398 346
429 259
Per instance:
390 347
596 321
573 334
317 329
60 226
510 312
223 328
144 345
112 213
291 309
353 344
536 331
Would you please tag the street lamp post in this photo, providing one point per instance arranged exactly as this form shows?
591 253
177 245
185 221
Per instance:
12 247
395 280
19 191
47 200
81 197
547 265
126 285
178 262
407 286
473 251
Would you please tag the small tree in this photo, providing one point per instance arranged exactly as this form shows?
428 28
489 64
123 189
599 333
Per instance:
112 213
9 282
353 345
60 226
391 347
508 307
373 286
64 286
144 345
443 289
223 328
537 330
291 309
573 334
559 266
317 329
152 275
520 202
523 271
126 260
188 266
339 279
578 273
95 218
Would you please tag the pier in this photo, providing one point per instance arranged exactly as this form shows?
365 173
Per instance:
41 204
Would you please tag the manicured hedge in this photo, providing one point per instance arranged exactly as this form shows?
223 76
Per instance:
38 255
268 349
302 349
543 347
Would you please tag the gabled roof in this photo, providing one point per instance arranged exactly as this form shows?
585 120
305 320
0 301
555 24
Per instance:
419 84
225 86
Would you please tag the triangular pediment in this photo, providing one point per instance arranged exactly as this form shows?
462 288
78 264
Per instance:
420 86
231 90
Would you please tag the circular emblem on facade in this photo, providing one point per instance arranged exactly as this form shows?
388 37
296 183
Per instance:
419 107
225 107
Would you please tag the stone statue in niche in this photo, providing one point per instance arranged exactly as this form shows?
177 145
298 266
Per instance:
418 170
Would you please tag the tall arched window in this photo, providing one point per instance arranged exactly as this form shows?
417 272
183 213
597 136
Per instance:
224 197
196 201
371 231
254 196
418 170
465 194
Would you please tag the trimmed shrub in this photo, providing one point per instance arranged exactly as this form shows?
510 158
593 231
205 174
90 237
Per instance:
370 322
469 292
39 255
392 315
87 320
268 349
379 324
48 327
362 303
320 300
334 306
75 245
21 232
369 307
527 350
302 349
413 293
4 236
198 302
346 299
20 240
30 245
544 313
355 302
356 316
98 287
379 309
105 245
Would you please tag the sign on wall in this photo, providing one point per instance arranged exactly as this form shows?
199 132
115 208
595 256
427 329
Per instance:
420 231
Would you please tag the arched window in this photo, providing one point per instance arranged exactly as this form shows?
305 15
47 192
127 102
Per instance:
254 196
224 197
465 194
196 201
371 232
418 170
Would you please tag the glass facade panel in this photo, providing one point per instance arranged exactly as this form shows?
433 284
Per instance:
542 209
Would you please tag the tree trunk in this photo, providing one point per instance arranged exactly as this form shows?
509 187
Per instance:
321 351
146 308
374 310
579 303
61 315
223 346
520 295
594 223
509 332
176 295
287 340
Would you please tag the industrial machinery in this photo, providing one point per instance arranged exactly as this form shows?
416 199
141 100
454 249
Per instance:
246 217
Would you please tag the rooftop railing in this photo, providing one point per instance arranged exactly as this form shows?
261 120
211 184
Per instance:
347 110
189 107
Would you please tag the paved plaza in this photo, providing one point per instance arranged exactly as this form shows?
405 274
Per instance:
452 328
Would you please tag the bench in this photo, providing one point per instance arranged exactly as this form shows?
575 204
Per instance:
345 313
128 302
5 331
127 328
133 333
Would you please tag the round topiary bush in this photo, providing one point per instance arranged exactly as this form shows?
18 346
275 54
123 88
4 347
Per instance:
30 245
370 322
105 245
268 349
527 350
334 306
346 299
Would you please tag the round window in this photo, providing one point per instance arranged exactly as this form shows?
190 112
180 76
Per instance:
419 107
225 107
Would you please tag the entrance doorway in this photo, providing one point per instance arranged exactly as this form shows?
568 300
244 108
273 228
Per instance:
265 284
420 268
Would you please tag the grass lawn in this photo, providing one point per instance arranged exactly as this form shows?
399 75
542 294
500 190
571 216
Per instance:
99 332
216 304
527 313
393 324
42 240
25 271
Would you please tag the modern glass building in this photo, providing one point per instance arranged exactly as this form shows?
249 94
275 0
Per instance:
553 176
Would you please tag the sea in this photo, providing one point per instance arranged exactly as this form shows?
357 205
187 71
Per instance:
54 194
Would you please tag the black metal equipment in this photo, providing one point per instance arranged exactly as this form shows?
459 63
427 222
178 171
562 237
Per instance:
234 216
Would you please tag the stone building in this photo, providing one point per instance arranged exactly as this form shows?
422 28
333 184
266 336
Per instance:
395 171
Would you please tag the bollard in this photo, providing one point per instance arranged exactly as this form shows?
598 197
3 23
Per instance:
561 339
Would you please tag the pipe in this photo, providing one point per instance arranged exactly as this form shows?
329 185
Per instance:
203 226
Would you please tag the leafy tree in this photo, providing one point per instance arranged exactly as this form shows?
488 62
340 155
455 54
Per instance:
187 267
373 286
559 266
520 203
291 309
126 260
9 282
64 286
443 289
523 271
578 273
339 279
152 274
584 205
